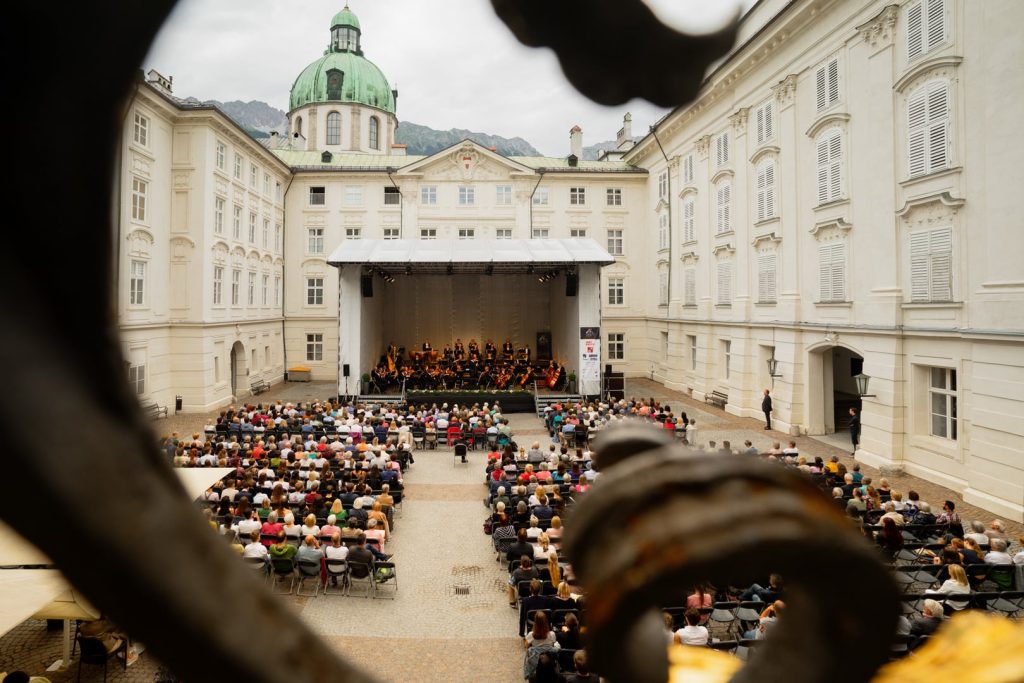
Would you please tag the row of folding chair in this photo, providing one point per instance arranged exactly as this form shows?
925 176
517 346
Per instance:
339 574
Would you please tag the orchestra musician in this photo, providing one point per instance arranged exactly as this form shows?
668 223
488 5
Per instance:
447 353
426 345
553 375
461 366
490 353
460 350
392 356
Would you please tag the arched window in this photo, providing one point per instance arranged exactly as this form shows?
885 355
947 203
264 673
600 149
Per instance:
335 79
374 132
298 125
334 128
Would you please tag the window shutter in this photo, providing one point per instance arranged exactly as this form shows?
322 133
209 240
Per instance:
726 191
917 117
690 286
938 126
936 23
688 207
760 124
766 277
941 250
768 127
769 189
838 272
833 81
688 169
761 186
835 180
822 87
915 31
725 147
919 279
823 170
724 282
719 205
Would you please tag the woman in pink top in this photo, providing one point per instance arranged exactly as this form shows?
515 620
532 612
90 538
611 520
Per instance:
270 529
700 598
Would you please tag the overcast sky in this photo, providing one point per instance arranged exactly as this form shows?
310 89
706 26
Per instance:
455 64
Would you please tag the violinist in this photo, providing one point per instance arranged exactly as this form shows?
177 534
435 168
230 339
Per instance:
484 378
379 377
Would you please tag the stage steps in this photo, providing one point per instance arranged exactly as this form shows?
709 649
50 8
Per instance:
542 401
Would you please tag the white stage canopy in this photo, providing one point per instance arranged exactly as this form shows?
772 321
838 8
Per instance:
436 254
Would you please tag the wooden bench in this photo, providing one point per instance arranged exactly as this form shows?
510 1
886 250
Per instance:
717 398
153 410
259 386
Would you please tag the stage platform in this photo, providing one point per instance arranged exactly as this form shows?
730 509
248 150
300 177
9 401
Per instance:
511 401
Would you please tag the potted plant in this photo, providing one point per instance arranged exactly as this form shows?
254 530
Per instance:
571 385
365 379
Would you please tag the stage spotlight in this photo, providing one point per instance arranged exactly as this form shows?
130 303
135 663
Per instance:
489 270
450 269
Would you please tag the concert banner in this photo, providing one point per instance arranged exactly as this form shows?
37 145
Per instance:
590 361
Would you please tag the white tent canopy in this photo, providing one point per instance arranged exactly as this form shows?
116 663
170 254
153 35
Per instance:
540 252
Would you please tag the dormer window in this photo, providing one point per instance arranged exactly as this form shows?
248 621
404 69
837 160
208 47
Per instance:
335 79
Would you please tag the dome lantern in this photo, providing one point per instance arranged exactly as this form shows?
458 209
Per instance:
345 32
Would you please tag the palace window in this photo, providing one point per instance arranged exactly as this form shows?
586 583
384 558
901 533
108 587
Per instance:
252 289
688 169
218 285
616 346
928 128
314 291
218 215
428 195
318 196
428 233
236 279
315 347
254 175
392 197
252 227
467 195
334 128
691 343
577 232
353 195
724 294
266 233
137 283
264 286
277 290
353 233
766 189
503 195
315 244
277 237
222 152
616 291
764 121
690 286
613 196
540 233
662 289
503 233
826 81
615 242
540 196
139 190
726 358
723 206
942 403
137 378
140 132
238 166
926 27
467 233
663 231
374 132
830 166
577 196
236 225
931 265
766 278
391 233
722 149
689 210
663 185
832 272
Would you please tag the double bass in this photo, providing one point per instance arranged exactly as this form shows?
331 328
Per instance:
553 375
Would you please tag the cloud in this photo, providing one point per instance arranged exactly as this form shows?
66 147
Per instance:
455 64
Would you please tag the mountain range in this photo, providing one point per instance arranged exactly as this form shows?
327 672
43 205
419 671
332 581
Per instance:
259 119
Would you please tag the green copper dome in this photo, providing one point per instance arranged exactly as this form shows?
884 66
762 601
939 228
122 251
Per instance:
343 74
360 81
345 17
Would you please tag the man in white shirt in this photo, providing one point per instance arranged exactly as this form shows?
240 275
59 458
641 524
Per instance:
693 633
247 527
998 554
691 433
254 547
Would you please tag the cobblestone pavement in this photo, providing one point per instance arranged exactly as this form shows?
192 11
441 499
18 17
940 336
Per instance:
718 425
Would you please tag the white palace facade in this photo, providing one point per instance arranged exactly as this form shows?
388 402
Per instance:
840 198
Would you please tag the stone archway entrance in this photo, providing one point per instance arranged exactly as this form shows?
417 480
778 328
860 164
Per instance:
832 391
238 369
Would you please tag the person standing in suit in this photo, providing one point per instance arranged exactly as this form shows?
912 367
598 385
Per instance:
855 428
766 408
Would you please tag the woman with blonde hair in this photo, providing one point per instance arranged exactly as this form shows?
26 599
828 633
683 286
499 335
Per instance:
555 531
956 584
553 569
543 550
309 527
382 519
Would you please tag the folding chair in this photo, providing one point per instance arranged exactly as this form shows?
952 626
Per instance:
258 565
94 651
361 573
337 576
724 645
385 575
723 616
565 660
454 433
431 440
308 569
1008 603
283 568
461 451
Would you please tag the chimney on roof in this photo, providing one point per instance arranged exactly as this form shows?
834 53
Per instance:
624 140
576 142
399 150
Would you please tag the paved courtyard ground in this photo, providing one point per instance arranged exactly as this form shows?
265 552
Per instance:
430 631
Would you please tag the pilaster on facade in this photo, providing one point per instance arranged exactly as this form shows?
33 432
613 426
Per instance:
738 119
880 31
785 91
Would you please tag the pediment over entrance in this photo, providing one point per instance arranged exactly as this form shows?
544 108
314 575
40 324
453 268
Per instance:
467 161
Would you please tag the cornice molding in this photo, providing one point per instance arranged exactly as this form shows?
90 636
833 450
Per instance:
837 223
764 151
942 197
923 68
828 119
